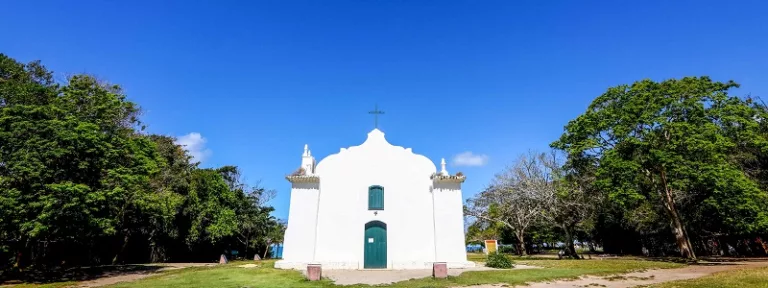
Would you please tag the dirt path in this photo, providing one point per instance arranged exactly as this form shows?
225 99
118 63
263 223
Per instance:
639 278
128 277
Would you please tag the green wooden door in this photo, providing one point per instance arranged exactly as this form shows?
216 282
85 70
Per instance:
375 245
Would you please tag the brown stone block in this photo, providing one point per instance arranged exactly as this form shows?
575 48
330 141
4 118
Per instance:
440 270
314 272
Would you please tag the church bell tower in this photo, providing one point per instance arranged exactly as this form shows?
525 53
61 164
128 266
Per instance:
302 214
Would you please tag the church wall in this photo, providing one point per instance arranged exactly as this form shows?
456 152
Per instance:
337 239
345 179
449 224
299 241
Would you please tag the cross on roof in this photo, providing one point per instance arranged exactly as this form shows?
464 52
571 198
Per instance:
376 112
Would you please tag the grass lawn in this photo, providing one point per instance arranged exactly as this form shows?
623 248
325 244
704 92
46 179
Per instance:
50 285
748 277
476 257
232 276
228 275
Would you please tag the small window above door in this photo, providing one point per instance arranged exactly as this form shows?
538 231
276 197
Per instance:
375 197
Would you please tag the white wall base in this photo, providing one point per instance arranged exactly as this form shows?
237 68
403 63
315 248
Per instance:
282 264
461 265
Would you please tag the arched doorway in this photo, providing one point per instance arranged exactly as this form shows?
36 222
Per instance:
375 253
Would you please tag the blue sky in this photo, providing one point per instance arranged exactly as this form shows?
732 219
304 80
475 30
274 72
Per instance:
256 80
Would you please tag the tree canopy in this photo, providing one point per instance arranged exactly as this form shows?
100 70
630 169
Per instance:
672 142
81 183
679 162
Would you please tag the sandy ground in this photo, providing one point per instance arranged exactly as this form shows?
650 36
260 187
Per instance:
374 277
113 279
639 278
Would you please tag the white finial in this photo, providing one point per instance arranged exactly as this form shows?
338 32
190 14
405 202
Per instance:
442 164
307 161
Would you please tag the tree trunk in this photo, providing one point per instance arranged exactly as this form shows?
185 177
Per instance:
19 261
681 237
763 244
245 250
156 253
676 223
520 243
570 251
265 251
125 244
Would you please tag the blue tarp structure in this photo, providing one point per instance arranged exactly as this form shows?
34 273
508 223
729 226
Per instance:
474 248
276 250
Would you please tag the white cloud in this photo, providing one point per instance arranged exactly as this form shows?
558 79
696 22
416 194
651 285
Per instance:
470 159
194 143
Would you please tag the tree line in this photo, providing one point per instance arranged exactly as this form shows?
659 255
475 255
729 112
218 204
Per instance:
82 183
677 167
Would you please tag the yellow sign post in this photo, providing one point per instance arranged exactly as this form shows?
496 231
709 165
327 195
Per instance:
490 246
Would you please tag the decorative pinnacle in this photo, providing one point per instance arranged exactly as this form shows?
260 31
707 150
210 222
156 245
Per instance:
442 170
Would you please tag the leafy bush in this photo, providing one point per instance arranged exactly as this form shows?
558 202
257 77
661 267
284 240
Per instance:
498 260
507 249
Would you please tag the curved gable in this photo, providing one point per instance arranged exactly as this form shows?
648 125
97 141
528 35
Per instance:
376 154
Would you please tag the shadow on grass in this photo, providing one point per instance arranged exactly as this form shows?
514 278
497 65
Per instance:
531 257
680 260
706 261
59 274
734 259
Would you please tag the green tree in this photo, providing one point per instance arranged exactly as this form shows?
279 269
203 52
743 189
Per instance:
481 230
512 199
671 141
25 94
275 234
78 174
74 167
255 224
564 194
210 207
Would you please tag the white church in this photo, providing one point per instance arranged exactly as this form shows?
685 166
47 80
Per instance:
374 206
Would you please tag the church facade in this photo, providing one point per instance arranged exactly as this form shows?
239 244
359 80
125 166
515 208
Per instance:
374 206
